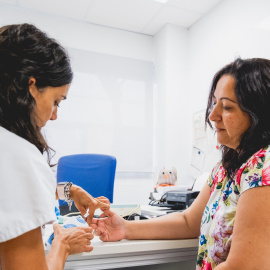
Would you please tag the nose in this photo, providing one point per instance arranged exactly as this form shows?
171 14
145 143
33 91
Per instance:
215 115
54 114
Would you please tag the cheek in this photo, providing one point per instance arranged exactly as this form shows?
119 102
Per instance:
232 126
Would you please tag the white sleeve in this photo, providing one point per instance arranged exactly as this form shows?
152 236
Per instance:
27 188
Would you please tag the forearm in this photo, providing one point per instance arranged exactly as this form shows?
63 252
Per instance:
171 226
57 256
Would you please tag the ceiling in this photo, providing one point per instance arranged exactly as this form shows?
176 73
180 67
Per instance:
140 16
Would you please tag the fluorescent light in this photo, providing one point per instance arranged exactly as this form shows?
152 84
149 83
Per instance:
161 1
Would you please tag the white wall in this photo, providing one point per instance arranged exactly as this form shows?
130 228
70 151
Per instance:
230 30
173 121
185 62
95 39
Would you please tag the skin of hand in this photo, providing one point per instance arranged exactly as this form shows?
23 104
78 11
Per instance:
75 240
111 228
83 201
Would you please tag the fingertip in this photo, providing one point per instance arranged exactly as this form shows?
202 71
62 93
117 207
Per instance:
103 238
88 248
56 227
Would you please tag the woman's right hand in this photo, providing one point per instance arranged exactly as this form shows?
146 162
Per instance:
111 228
75 240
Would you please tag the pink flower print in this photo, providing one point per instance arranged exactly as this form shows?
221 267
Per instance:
266 176
218 253
214 215
220 221
218 178
206 265
216 235
239 174
260 154
221 174
226 231
253 162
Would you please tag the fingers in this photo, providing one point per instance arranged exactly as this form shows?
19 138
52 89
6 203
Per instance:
87 230
57 228
90 216
102 204
103 199
107 214
82 209
79 239
88 249
103 235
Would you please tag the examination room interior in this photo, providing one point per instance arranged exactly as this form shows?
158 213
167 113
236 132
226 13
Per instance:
143 70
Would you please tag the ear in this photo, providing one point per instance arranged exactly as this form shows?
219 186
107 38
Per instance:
32 87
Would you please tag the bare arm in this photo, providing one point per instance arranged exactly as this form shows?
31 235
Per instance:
251 232
171 226
26 252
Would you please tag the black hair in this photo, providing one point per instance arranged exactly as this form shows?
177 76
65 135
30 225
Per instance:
27 52
252 90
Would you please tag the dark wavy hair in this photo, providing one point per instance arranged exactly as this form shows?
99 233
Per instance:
252 90
25 52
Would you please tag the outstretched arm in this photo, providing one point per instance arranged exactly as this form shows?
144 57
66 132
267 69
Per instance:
171 226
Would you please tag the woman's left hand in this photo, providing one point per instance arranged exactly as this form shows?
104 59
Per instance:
85 202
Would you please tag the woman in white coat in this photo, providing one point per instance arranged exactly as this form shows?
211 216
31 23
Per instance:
35 75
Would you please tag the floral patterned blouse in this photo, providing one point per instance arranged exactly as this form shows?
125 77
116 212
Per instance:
219 214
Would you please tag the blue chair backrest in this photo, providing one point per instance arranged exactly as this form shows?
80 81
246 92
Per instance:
93 172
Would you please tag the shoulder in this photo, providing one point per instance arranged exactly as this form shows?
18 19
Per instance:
256 171
11 143
18 157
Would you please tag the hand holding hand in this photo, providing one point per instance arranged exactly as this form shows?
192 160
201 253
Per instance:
111 228
75 240
84 201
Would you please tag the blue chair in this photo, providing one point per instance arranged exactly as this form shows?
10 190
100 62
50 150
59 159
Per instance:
95 173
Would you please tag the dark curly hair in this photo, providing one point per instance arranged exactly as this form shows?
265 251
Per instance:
252 90
27 52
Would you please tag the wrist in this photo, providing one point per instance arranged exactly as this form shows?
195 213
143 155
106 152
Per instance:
60 247
127 229
73 191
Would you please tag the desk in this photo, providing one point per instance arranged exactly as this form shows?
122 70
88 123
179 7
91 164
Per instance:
132 253
137 254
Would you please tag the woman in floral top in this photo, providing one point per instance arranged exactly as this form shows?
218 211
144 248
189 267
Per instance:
232 212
